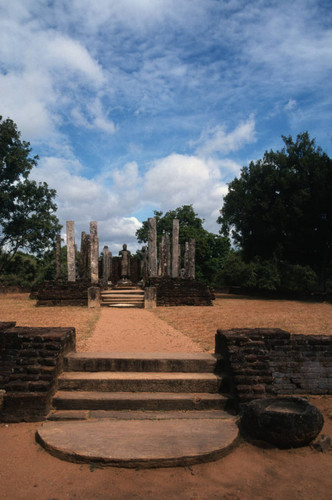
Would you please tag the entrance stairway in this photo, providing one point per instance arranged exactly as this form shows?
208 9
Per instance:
123 296
168 409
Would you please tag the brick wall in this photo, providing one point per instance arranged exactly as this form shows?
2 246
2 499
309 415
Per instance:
181 292
30 361
62 293
271 362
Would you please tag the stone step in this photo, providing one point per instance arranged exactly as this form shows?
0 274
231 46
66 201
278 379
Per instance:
161 401
139 382
63 415
140 442
123 299
121 305
143 362
122 293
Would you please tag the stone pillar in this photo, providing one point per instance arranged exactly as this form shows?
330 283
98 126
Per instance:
167 256
161 257
84 256
109 266
93 297
106 270
186 259
71 262
191 258
58 257
164 256
94 252
150 297
152 249
175 248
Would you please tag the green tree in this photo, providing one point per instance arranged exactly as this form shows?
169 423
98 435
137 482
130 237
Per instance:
281 207
27 209
211 249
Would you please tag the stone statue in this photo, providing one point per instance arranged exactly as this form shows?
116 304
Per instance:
125 262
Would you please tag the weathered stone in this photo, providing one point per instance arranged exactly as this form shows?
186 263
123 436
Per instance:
106 270
150 297
191 259
175 249
94 297
94 252
58 257
164 256
84 256
186 259
144 265
71 257
125 262
152 247
283 422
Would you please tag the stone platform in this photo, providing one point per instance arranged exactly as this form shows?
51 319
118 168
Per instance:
142 439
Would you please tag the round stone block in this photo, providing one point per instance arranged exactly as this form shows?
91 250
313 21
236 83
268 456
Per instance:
284 422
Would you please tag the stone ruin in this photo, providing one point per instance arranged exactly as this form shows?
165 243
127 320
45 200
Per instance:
152 263
156 268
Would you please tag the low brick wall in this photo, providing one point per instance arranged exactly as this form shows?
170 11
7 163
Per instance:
181 292
31 359
272 362
62 293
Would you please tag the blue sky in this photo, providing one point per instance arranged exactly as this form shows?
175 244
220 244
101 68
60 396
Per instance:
142 105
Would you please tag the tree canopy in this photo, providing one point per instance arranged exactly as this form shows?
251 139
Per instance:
27 209
210 248
280 207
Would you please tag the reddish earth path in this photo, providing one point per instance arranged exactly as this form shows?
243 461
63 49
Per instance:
135 330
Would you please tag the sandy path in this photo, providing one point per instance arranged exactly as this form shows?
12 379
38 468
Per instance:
135 330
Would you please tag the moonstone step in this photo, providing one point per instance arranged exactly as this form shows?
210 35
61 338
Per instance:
140 443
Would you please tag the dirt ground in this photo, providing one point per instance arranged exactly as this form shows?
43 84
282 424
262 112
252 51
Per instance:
27 472
231 311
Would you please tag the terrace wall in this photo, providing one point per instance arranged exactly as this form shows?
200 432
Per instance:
272 362
31 359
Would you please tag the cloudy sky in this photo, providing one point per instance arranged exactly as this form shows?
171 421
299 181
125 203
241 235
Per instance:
142 105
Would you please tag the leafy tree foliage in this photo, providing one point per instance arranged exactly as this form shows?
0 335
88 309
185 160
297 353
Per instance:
210 248
281 207
27 209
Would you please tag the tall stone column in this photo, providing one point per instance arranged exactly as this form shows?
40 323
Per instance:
175 248
71 262
152 242
164 256
84 256
191 259
94 252
161 257
58 257
186 259
167 256
106 263
109 266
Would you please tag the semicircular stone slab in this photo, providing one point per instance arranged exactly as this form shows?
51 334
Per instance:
140 443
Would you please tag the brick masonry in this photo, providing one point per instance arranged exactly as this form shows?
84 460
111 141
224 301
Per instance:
272 362
62 293
30 361
181 292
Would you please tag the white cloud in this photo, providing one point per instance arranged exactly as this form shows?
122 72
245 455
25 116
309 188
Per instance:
65 53
217 140
291 105
180 179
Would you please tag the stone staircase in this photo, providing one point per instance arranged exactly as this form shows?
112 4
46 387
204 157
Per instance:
140 410
124 296
154 381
